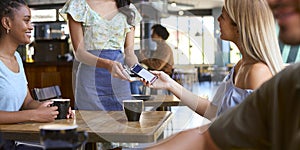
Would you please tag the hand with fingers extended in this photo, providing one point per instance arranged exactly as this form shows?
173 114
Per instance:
45 113
162 82
117 71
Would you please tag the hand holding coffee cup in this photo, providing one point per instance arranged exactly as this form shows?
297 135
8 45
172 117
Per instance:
62 136
133 109
63 107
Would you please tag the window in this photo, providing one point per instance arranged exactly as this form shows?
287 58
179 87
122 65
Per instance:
43 15
191 38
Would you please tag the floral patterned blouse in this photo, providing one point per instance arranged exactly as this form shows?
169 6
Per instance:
100 33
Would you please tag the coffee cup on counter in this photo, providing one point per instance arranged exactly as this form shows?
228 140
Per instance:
63 107
133 109
62 136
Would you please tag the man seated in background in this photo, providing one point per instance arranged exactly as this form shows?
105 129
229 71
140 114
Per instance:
161 59
267 119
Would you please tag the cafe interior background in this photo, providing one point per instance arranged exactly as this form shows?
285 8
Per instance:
200 56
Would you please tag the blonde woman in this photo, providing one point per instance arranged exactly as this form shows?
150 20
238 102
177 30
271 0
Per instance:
250 25
263 120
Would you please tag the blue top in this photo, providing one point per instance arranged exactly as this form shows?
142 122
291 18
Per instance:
13 86
100 33
228 95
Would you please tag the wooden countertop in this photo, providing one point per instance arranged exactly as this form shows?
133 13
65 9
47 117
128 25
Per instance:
101 126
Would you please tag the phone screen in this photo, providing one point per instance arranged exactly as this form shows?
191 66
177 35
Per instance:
143 73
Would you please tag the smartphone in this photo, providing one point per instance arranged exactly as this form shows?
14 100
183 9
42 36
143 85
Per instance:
143 73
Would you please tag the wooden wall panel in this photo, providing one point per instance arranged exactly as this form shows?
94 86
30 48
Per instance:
49 74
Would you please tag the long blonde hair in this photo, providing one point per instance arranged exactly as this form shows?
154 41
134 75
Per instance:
256 26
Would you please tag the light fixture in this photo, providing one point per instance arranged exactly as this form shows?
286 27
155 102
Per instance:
175 6
180 13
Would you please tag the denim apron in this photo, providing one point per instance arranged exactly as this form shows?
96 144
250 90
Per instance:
96 89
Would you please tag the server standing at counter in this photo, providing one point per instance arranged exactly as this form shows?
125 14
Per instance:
102 32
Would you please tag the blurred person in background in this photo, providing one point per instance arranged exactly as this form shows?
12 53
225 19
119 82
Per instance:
161 59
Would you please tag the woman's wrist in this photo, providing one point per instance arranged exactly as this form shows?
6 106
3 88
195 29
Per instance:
105 63
30 115
170 84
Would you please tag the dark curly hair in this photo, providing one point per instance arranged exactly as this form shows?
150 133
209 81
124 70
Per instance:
160 31
123 6
7 8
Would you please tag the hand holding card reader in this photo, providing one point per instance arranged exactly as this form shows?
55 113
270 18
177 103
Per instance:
143 73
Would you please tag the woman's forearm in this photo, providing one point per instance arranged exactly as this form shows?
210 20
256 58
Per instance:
188 139
130 59
195 102
32 104
92 60
15 117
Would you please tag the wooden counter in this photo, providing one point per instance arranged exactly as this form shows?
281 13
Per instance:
111 126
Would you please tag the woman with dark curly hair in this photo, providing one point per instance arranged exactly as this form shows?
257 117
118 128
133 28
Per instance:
16 102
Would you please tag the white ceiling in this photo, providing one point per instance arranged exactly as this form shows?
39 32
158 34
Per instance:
201 4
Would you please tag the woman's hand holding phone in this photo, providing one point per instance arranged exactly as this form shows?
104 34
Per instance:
163 80
126 72
117 70
143 73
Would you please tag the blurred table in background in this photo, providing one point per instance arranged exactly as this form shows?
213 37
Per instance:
162 102
186 76
218 73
